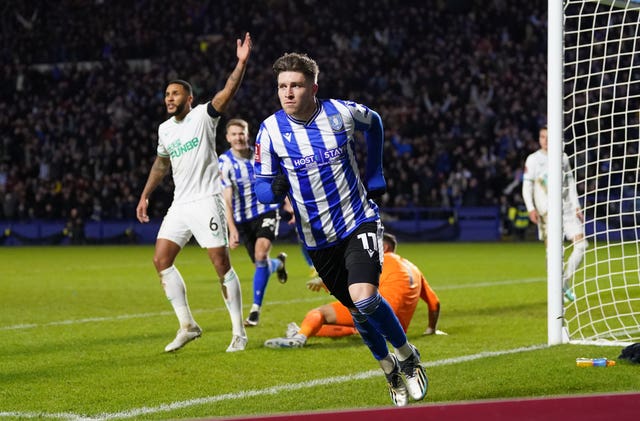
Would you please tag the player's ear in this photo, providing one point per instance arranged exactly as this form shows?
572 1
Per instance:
315 88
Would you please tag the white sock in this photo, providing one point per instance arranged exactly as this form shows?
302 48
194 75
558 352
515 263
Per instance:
404 352
176 292
233 300
387 364
574 261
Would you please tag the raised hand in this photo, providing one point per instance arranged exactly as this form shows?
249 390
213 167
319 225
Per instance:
243 48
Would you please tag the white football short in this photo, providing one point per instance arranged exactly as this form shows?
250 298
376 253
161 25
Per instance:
571 225
204 219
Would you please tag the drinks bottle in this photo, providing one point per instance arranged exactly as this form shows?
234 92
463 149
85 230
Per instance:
594 362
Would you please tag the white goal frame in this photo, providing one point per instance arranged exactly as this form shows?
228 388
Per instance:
613 323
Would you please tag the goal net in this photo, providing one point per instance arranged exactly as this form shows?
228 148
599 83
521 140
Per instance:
601 111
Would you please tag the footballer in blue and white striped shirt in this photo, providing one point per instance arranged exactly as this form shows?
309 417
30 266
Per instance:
255 222
306 151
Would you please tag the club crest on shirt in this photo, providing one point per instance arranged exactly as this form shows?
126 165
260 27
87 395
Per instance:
336 123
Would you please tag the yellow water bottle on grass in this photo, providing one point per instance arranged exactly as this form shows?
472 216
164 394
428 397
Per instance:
594 362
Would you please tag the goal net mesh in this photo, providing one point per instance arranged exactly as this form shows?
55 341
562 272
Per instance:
601 105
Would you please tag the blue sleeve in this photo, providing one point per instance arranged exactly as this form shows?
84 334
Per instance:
262 187
375 138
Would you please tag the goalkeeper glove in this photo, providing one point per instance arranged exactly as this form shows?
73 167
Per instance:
280 186
316 284
376 195
430 331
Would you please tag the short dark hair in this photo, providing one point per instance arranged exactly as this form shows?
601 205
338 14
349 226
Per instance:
186 85
391 240
297 62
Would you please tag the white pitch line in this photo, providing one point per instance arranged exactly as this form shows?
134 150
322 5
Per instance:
148 410
168 313
489 284
133 316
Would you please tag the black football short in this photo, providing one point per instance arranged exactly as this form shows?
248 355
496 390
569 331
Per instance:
355 259
264 226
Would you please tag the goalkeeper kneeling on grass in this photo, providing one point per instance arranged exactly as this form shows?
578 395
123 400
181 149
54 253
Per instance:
401 284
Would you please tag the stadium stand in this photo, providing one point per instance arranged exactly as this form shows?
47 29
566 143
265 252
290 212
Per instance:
460 86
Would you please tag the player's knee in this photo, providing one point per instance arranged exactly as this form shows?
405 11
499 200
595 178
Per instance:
162 262
369 305
317 315
260 254
581 245
220 260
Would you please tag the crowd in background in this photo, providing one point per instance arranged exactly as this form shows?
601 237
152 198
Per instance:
460 86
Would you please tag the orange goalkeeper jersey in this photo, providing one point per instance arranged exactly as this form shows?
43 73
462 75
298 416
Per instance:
402 285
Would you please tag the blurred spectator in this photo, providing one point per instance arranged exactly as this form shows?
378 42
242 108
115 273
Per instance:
459 106
75 227
518 218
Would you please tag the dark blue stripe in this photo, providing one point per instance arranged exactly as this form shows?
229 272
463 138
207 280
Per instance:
311 207
334 198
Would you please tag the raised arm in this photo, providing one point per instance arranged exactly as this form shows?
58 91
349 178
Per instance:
224 96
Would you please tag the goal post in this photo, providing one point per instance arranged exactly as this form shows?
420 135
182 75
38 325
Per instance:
554 150
594 107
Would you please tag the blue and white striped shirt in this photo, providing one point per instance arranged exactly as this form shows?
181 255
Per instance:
318 158
238 173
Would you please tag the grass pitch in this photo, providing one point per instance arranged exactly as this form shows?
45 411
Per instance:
82 333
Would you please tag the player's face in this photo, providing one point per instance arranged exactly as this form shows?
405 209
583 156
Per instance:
177 100
297 94
238 138
542 138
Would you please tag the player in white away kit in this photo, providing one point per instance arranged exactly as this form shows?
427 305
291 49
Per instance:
186 144
535 195
306 150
